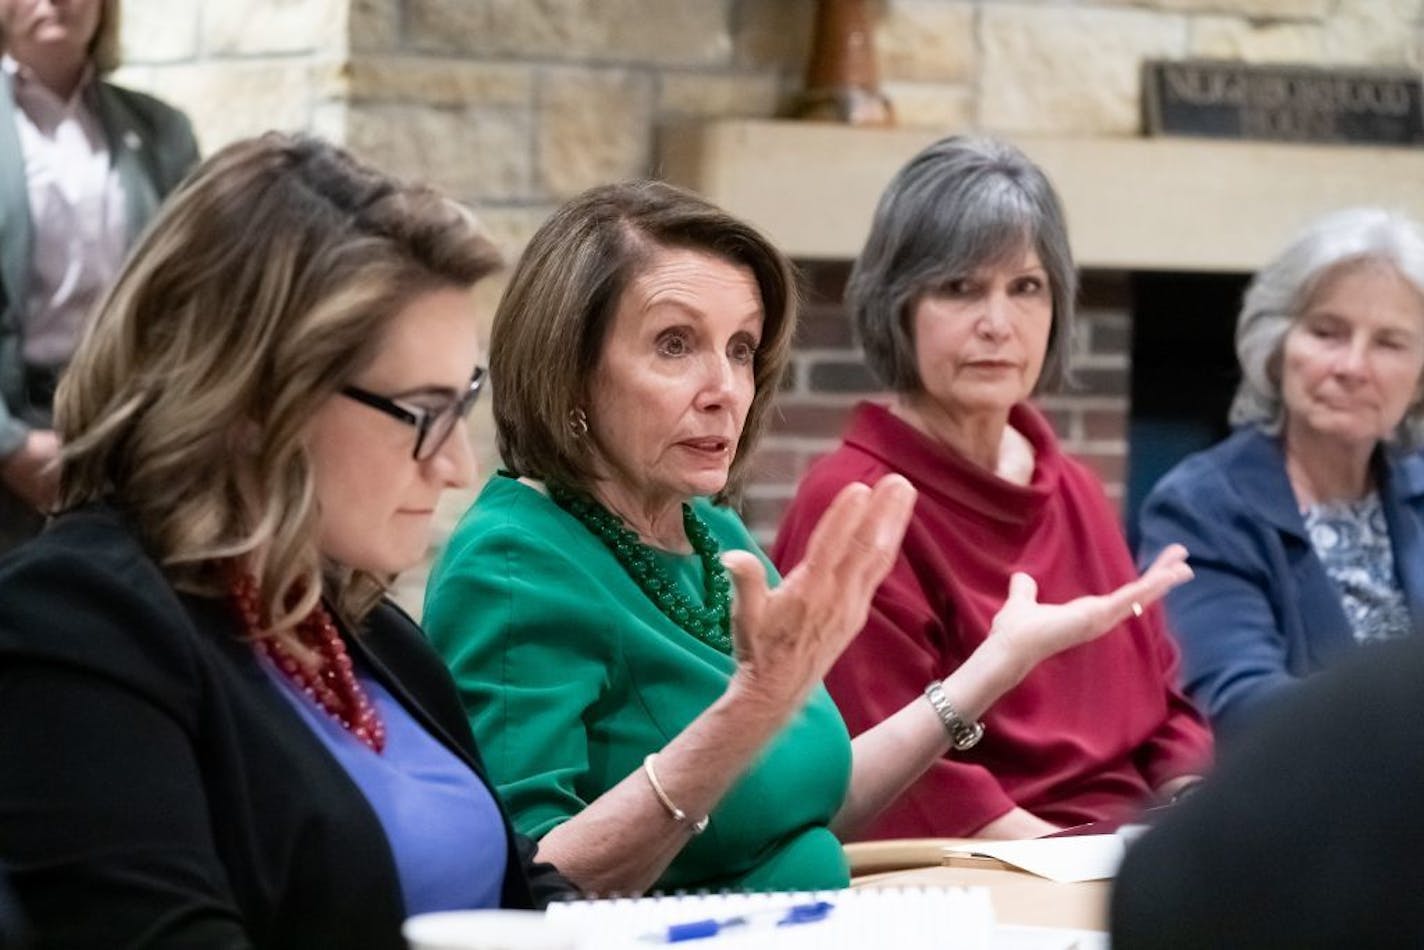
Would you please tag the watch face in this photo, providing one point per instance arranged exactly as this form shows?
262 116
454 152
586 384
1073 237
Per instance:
962 734
966 736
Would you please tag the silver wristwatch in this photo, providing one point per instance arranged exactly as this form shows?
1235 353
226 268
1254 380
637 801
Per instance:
963 734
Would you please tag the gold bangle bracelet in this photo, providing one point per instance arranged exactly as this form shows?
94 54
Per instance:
677 814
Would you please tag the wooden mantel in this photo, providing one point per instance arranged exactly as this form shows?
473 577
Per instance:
1133 204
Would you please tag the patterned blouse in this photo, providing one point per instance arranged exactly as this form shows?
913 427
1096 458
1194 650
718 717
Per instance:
1351 539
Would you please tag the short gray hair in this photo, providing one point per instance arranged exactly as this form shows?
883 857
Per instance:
959 205
1282 290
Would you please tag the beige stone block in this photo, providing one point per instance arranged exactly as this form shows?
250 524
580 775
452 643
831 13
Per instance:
438 82
472 154
235 99
699 94
373 25
926 41
1055 69
1399 13
773 33
461 26
594 127
1376 33
511 227
684 32
329 120
1256 41
1261 9
932 105
273 26
140 76
158 31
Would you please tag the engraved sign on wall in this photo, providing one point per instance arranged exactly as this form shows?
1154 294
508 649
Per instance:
1219 99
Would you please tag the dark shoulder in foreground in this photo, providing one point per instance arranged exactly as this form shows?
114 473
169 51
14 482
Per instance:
1308 834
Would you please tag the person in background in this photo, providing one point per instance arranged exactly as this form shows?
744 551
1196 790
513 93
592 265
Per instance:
1306 525
217 733
1309 832
650 729
84 165
963 300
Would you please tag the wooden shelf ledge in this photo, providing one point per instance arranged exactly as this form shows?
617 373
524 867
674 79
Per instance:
1173 204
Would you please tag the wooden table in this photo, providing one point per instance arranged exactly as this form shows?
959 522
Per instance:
1019 897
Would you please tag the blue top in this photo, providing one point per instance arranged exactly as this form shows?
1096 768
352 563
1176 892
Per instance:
1262 611
442 823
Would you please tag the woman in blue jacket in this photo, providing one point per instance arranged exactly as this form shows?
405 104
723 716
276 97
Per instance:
1305 526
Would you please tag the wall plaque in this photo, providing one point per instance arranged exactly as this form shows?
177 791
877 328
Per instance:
1219 99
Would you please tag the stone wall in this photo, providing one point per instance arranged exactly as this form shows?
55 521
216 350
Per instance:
515 105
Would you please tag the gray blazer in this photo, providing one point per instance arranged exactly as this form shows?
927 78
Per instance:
152 146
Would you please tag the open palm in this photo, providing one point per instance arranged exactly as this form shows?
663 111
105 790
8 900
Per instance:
1036 631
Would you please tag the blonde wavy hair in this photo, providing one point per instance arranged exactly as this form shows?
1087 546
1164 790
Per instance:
104 47
261 288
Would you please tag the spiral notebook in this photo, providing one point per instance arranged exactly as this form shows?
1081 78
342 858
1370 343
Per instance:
907 918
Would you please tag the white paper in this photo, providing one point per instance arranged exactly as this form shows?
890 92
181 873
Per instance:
1065 860
1015 937
904 918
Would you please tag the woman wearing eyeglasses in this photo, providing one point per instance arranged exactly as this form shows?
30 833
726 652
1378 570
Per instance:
215 730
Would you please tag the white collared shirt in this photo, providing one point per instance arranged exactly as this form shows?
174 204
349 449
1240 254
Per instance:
77 212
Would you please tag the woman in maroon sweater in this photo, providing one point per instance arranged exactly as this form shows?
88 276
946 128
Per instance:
963 298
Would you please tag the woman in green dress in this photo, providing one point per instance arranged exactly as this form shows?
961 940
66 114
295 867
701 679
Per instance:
647 726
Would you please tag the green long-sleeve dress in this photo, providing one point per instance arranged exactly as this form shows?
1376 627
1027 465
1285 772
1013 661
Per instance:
571 675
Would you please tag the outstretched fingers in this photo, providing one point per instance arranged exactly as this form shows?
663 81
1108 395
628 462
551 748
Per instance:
877 542
832 534
1022 588
854 547
749 593
1168 570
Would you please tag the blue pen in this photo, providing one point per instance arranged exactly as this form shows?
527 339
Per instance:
773 917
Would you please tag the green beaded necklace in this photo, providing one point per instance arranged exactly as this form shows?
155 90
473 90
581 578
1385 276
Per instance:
710 623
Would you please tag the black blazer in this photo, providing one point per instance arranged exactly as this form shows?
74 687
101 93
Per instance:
155 790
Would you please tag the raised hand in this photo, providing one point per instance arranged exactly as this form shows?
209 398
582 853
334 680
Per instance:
1032 632
787 638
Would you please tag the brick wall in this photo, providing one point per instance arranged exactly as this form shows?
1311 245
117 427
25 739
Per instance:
827 377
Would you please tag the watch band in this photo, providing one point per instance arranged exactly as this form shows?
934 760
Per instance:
963 734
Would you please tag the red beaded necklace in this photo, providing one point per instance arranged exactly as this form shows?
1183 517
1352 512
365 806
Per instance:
333 685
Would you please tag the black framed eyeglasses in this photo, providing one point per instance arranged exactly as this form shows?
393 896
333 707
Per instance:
432 425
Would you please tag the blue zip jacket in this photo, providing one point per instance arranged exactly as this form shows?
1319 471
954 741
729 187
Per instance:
1262 613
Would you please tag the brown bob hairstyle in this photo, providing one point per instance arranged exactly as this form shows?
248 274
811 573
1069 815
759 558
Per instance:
550 328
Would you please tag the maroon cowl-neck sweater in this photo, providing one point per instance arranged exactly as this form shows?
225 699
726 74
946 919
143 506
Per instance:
1091 732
